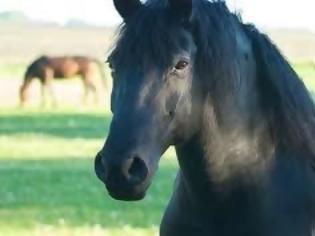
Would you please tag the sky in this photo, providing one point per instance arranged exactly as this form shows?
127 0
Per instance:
264 13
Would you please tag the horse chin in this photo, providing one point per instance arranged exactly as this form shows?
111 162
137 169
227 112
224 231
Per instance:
127 195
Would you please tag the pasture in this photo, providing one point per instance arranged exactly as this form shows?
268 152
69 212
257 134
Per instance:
48 185
47 181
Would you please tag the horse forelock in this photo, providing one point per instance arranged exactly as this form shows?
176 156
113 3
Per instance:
149 37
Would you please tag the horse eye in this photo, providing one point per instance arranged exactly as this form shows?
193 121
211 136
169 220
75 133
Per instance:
181 65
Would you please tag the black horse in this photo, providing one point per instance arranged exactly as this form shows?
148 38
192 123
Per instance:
191 74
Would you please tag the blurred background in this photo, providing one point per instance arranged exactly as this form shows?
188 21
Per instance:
47 181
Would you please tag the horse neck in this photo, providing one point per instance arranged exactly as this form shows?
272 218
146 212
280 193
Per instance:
233 147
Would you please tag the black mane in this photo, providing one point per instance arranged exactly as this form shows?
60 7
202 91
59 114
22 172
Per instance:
286 101
147 38
149 34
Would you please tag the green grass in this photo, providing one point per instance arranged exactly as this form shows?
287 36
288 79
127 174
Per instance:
47 181
48 185
12 70
306 71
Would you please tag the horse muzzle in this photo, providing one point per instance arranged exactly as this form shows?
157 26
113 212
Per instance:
125 178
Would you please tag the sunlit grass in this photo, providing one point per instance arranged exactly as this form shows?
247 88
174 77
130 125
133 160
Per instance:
96 230
48 192
48 185
12 70
306 71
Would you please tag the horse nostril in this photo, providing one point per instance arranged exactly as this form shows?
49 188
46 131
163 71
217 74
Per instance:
137 171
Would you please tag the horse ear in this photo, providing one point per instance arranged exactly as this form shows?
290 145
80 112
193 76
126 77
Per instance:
126 8
182 9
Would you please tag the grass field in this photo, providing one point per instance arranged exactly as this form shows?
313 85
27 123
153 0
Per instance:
48 186
47 182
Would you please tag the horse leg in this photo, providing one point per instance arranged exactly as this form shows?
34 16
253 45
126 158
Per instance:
86 94
49 76
90 86
95 93
91 89
52 95
43 94
23 93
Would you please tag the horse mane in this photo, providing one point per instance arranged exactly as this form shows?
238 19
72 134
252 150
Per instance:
143 39
286 101
148 36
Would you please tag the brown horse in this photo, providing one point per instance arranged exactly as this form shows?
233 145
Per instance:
46 69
